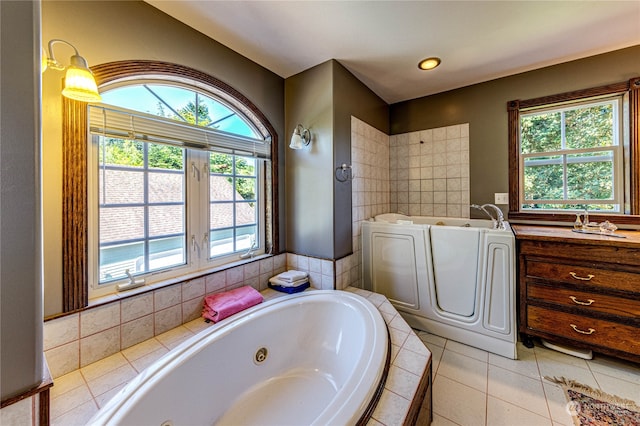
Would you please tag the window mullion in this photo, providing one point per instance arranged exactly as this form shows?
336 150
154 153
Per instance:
204 206
565 177
194 209
563 131
563 146
235 202
145 186
570 151
195 109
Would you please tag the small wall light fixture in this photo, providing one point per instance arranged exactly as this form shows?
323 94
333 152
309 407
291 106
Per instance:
79 83
429 63
301 137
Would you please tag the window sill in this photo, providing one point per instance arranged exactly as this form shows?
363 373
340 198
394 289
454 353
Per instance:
111 297
623 221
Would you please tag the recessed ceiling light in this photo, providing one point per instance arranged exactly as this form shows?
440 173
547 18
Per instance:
429 63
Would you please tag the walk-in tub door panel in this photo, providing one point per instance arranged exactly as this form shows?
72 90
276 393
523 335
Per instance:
455 268
395 269
498 315
394 263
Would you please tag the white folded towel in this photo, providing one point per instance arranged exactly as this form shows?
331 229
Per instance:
275 280
292 275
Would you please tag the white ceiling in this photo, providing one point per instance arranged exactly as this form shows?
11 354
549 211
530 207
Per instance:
381 42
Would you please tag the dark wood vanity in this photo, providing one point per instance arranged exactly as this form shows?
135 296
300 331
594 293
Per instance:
578 289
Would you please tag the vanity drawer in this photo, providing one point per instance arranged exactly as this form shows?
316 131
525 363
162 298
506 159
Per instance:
584 300
586 330
617 280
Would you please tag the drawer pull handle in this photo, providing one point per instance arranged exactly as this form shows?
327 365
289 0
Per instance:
577 330
578 302
577 277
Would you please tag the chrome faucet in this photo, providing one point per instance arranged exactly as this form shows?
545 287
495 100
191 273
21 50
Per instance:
498 220
484 210
499 215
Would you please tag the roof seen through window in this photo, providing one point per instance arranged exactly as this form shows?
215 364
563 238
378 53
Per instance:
179 104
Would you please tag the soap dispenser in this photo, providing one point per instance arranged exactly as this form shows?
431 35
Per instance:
585 224
578 223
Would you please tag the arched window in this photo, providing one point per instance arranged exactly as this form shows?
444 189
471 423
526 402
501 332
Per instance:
178 179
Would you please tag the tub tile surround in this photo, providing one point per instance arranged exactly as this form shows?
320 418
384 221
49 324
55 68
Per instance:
370 192
429 172
77 395
77 340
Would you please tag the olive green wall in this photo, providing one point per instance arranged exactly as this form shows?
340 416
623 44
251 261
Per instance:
350 98
106 31
484 107
20 256
308 183
324 98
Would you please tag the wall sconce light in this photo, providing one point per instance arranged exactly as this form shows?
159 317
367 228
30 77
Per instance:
301 137
79 83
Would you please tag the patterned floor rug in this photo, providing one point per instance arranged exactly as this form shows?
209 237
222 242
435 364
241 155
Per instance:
592 407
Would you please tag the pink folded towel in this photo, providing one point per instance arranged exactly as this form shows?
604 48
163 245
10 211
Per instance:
221 305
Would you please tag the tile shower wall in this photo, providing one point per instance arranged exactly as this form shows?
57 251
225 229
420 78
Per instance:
82 338
370 192
429 172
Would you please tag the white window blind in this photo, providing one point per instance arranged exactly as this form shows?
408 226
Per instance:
122 123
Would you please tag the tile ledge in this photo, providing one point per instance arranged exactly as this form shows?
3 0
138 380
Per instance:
415 405
157 285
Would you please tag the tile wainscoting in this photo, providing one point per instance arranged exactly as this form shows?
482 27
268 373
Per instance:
82 338
370 189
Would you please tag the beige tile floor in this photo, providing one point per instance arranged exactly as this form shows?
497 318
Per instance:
471 386
474 387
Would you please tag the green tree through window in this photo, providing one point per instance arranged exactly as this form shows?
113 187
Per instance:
571 157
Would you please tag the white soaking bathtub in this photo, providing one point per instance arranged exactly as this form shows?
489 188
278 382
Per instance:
312 358
454 277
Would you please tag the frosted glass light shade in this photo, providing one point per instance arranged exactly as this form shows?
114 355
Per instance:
301 137
80 85
296 141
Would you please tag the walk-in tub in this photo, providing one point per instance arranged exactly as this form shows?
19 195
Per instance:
453 277
314 358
